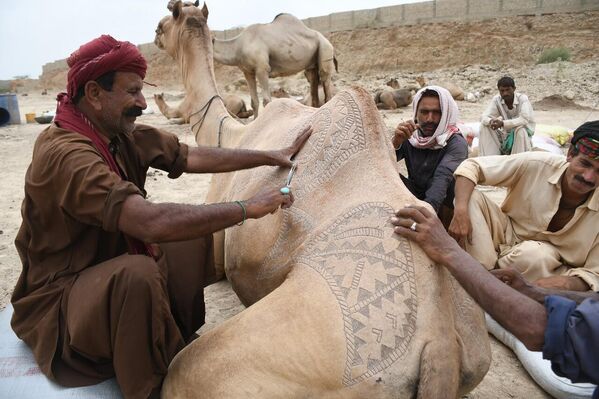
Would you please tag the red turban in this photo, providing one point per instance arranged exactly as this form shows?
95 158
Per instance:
100 56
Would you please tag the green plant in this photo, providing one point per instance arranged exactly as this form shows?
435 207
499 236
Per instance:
554 54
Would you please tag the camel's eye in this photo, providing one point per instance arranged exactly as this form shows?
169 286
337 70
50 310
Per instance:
159 29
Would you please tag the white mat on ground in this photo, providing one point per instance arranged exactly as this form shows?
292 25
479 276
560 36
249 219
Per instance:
539 368
21 378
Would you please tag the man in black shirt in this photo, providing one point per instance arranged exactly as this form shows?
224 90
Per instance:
432 147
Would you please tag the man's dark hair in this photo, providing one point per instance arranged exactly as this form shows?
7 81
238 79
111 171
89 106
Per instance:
105 81
429 93
506 81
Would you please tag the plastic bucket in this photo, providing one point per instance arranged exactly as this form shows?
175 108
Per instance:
30 117
9 109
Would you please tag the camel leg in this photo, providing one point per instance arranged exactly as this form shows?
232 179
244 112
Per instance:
250 78
312 76
439 369
165 109
262 75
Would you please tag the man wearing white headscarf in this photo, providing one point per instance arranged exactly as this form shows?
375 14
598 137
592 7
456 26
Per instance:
431 146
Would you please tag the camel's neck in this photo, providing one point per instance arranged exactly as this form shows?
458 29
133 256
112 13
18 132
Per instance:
225 52
210 121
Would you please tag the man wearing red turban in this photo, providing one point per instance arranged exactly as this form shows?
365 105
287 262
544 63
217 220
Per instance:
97 296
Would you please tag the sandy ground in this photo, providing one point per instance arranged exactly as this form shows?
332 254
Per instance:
506 378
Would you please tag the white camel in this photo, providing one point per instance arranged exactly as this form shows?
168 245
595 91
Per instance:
281 48
341 306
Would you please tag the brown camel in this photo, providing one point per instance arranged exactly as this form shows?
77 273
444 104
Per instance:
234 104
392 99
341 306
281 48
456 91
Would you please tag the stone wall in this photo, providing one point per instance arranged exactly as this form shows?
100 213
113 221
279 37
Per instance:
435 11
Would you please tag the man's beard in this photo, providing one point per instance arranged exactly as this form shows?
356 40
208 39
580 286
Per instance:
429 126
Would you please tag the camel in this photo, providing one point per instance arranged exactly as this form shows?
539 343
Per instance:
341 307
234 104
281 48
456 91
392 99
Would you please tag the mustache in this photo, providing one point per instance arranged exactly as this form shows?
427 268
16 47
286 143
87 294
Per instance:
133 111
431 125
583 181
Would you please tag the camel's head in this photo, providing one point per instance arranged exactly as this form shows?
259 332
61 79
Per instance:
186 17
393 83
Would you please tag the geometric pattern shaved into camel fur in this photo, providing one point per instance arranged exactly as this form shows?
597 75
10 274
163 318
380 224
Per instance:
340 136
371 273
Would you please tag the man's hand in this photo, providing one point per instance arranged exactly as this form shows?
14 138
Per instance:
267 201
460 227
514 279
283 157
428 232
568 283
403 131
496 123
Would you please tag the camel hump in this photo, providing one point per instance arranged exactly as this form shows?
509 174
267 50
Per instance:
283 16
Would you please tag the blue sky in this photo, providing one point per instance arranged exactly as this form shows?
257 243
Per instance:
35 32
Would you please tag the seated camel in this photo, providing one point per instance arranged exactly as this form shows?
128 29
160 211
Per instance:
281 48
456 91
280 92
341 306
234 104
392 99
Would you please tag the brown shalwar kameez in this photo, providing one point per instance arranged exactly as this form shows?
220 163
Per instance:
88 310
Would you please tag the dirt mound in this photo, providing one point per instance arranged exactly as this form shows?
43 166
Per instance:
557 101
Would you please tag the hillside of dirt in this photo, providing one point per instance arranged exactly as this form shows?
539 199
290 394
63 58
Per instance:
472 55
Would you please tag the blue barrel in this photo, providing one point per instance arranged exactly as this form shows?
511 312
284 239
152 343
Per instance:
9 109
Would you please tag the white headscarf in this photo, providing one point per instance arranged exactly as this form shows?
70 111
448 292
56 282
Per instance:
447 125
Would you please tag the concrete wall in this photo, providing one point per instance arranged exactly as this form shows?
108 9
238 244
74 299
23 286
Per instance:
436 11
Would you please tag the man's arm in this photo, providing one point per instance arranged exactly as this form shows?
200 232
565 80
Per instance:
165 222
456 153
522 316
460 227
490 113
525 116
216 160
515 280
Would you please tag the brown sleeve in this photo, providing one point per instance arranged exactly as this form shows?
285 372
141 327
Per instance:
161 150
86 189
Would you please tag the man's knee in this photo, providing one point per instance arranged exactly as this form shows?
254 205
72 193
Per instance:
139 271
530 257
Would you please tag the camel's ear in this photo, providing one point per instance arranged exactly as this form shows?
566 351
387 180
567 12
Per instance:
204 10
177 9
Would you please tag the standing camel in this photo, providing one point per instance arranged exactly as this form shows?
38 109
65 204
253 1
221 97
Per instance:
281 48
341 306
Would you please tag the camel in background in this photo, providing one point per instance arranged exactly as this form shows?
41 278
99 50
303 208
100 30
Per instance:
456 91
234 104
392 99
281 48
341 306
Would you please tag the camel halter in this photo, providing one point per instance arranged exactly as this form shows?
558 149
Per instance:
205 108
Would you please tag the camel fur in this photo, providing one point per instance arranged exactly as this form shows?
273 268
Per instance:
234 104
341 307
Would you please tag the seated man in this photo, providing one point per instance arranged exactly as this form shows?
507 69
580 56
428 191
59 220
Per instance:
567 333
97 297
432 147
548 224
507 124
